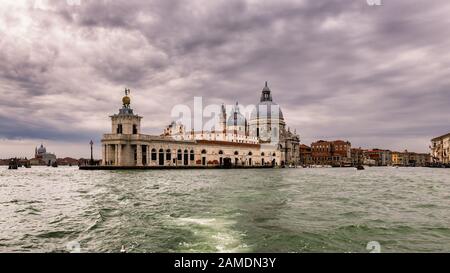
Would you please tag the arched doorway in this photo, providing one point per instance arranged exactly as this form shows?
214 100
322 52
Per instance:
227 162
204 157
221 158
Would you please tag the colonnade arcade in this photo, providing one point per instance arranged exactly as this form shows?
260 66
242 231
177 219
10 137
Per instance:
164 154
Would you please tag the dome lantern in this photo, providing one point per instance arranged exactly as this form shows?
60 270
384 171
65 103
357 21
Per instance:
266 96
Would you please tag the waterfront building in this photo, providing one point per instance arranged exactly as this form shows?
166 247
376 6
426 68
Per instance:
42 157
67 161
379 157
410 159
357 156
232 144
398 159
440 149
305 155
419 159
334 153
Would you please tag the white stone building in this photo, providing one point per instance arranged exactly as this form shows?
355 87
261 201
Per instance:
440 149
232 144
42 157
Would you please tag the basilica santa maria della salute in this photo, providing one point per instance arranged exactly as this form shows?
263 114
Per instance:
260 141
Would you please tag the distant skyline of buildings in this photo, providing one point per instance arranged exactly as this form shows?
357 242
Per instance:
320 152
83 148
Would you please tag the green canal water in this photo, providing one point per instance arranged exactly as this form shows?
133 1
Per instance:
270 210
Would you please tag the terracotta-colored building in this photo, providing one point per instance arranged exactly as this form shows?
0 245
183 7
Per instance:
335 153
305 155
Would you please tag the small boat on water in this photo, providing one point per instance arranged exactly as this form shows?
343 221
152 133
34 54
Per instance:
55 165
13 164
360 168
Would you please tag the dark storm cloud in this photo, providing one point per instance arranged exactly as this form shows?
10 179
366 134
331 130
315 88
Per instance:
378 76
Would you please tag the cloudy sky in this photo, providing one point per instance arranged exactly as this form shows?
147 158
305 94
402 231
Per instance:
340 69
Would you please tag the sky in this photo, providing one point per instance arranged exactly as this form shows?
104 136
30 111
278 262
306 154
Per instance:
378 76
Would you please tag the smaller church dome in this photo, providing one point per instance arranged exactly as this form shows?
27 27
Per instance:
42 150
236 118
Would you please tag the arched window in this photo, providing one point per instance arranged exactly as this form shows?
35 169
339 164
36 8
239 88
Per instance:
161 156
168 154
262 154
236 152
220 152
179 155
274 154
250 153
186 154
192 155
135 129
203 151
119 129
153 154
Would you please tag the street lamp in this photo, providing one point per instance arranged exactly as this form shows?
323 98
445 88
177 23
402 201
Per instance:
92 156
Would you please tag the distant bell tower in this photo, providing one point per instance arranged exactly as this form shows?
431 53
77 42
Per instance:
222 120
126 122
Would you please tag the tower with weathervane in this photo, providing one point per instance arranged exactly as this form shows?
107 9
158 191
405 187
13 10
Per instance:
124 125
126 122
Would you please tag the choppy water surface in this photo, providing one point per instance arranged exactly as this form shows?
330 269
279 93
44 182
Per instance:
279 210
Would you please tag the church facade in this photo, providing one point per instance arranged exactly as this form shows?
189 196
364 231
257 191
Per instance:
261 141
42 157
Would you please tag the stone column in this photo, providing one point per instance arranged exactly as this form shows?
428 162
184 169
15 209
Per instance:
139 155
104 154
119 155
108 154
116 155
